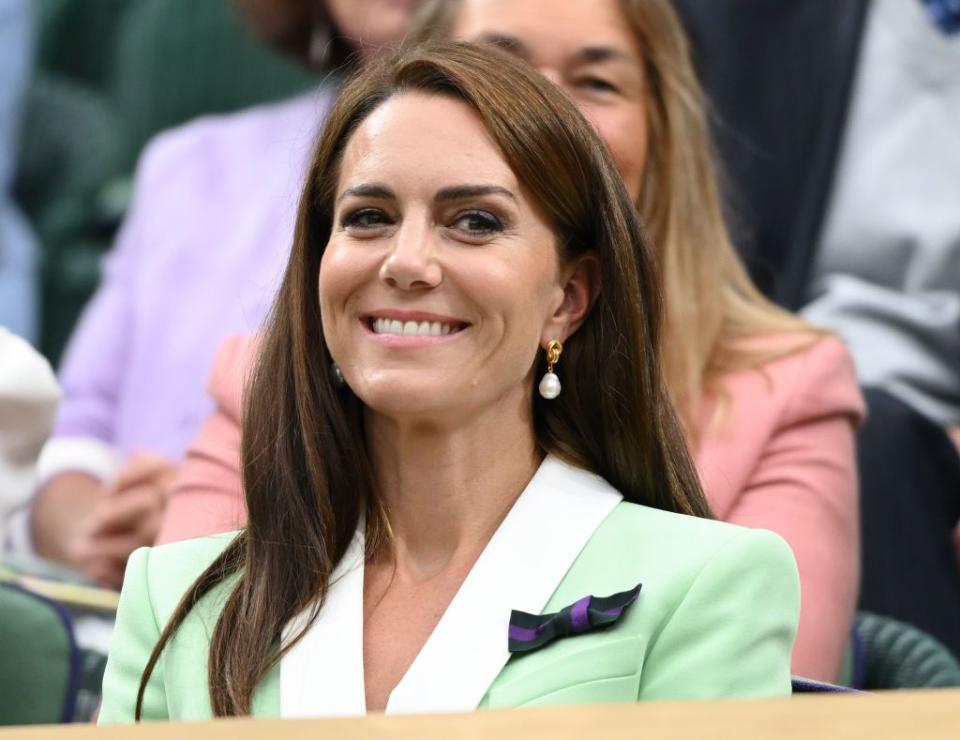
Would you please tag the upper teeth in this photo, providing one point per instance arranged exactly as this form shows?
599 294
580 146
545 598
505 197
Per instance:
411 328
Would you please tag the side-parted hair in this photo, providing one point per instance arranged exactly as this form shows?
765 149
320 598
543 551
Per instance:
307 472
713 310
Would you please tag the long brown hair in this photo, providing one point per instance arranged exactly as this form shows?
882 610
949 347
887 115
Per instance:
713 310
306 469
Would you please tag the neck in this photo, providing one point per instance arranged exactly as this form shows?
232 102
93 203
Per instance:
446 488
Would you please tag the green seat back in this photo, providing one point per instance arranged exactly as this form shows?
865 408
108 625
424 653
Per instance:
177 59
76 38
899 656
72 160
40 665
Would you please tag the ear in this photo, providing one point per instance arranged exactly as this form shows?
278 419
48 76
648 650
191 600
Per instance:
580 281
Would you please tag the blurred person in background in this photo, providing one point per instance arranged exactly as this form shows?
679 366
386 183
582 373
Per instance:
770 404
18 249
212 209
28 406
839 128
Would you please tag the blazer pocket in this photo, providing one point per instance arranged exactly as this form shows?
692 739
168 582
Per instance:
566 665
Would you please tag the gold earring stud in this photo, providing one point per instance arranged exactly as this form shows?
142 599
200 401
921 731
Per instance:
550 383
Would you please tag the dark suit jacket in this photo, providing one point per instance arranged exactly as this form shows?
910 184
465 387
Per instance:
778 74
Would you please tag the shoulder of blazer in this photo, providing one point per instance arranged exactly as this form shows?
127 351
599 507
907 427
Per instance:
173 567
635 528
677 641
663 550
633 538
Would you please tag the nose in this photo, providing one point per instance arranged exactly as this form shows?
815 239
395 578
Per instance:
411 263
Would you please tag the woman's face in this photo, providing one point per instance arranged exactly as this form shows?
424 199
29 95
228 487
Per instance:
441 277
585 47
372 24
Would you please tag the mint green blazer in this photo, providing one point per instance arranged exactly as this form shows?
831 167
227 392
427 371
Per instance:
716 617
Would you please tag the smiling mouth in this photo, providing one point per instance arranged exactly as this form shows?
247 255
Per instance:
398 328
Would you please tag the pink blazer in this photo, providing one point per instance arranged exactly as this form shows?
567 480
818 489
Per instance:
781 457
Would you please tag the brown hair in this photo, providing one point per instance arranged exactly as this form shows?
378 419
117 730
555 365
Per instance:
306 470
713 310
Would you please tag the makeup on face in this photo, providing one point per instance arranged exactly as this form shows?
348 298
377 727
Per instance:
440 274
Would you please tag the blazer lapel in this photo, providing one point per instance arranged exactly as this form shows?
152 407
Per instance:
322 675
520 568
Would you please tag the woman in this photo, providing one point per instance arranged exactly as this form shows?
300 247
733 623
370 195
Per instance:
769 405
399 464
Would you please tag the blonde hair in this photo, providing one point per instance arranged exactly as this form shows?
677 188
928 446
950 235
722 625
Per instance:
710 299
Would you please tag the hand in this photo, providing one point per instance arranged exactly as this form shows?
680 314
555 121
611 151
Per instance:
145 470
123 519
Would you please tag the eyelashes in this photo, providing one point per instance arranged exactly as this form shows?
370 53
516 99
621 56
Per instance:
468 224
479 222
364 218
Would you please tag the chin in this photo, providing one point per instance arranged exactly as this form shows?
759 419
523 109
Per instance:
410 400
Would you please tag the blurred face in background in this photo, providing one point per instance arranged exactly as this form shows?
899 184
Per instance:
584 46
370 25
288 25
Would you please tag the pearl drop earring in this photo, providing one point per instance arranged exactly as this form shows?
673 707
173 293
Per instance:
550 383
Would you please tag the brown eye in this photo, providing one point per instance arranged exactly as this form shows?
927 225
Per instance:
478 223
364 218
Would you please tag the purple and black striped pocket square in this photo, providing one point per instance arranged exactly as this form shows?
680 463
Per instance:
529 632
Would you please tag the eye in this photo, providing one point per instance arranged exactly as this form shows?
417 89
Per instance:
477 223
365 219
596 84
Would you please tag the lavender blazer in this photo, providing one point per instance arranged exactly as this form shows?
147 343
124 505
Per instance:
199 257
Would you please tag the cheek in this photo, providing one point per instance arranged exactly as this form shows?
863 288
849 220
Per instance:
530 295
342 274
624 130
515 295
332 269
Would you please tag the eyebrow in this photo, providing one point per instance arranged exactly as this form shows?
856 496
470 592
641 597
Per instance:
603 54
368 190
590 54
380 191
505 42
462 192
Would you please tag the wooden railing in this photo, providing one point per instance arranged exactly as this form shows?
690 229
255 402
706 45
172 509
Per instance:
904 715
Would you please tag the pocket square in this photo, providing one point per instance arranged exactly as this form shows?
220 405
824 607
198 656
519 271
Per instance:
530 632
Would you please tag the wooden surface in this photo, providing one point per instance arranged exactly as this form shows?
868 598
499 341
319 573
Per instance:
901 715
